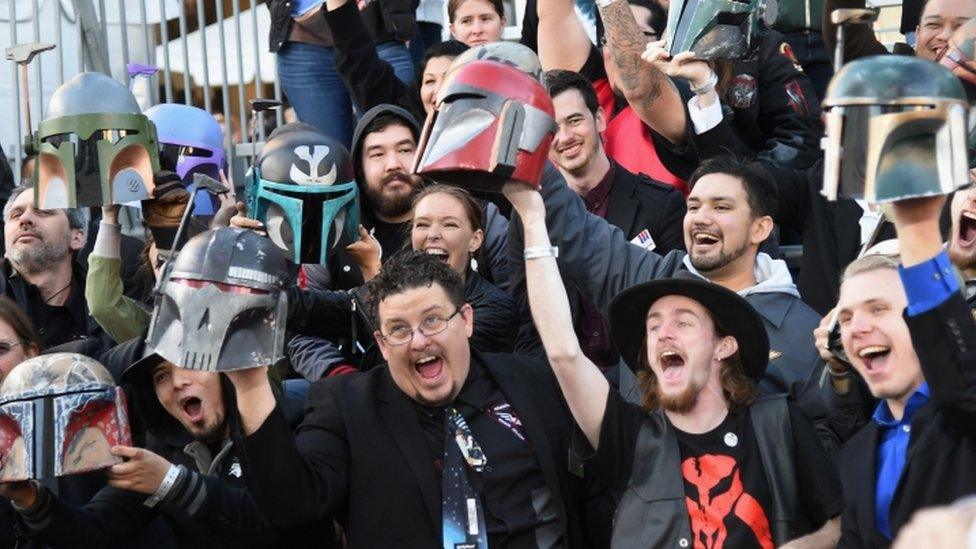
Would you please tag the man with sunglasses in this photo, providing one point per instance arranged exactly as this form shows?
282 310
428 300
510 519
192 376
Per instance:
442 447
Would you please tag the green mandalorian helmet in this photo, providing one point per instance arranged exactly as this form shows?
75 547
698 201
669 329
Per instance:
95 147
896 128
718 29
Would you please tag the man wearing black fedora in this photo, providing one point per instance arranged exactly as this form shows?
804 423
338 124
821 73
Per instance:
703 462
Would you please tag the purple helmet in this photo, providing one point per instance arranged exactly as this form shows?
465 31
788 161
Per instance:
191 142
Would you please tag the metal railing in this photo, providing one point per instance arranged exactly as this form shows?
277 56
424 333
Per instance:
232 45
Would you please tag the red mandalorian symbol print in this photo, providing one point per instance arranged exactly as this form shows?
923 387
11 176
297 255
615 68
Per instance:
708 513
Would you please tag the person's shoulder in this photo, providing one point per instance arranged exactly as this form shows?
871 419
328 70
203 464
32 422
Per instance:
349 387
532 371
645 185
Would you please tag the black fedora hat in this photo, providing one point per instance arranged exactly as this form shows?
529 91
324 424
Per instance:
628 318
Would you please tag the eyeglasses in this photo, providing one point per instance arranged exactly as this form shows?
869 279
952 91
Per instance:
7 346
431 326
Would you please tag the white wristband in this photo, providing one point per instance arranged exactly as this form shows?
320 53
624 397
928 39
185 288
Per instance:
533 252
707 86
164 487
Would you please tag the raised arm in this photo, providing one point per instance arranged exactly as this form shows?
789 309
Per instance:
583 386
563 43
648 91
939 319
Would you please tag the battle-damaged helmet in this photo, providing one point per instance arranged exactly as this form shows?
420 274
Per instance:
896 128
224 304
510 53
190 142
95 147
719 29
493 122
303 189
60 414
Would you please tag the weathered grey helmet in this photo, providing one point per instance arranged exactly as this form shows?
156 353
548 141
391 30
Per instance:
60 414
224 305
896 128
94 148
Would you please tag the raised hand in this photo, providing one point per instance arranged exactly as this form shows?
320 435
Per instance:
367 253
684 65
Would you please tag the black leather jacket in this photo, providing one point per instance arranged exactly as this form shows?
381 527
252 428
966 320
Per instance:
386 20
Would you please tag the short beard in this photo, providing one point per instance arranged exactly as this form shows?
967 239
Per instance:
963 261
708 264
215 433
39 258
392 206
682 403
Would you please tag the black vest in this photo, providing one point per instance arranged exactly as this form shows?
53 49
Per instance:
652 511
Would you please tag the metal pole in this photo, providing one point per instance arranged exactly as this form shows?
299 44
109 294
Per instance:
38 74
103 25
81 42
258 84
150 53
187 88
167 75
236 4
202 23
15 78
124 27
279 115
59 52
225 92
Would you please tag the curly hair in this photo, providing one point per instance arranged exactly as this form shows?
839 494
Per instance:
739 391
409 270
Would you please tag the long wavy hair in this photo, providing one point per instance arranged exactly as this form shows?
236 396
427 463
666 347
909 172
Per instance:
739 391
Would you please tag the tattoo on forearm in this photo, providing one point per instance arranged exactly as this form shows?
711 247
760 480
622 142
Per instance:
627 42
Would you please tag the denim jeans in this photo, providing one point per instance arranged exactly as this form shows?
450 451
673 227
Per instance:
811 52
396 54
427 35
309 79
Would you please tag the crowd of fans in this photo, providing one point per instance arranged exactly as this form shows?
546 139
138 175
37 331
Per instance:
358 347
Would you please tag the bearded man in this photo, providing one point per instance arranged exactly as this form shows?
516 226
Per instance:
39 270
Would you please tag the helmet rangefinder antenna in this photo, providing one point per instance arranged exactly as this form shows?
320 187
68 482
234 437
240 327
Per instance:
848 16
23 54
258 106
201 182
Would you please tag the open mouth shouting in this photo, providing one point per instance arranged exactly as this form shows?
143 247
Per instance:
874 358
430 368
192 408
966 236
705 241
439 253
672 365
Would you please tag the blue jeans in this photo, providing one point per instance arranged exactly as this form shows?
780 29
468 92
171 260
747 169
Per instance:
397 55
811 52
309 79
427 35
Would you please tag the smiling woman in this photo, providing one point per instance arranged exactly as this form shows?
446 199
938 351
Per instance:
447 222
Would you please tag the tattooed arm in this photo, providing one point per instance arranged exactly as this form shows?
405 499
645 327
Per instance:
648 91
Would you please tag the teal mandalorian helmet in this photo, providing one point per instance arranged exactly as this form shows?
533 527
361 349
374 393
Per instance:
303 189
95 147
896 128
718 29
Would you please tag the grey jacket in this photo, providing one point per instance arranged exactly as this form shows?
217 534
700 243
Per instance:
597 257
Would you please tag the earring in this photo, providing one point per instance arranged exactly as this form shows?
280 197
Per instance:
474 264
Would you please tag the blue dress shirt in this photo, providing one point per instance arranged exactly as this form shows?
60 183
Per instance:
928 284
890 459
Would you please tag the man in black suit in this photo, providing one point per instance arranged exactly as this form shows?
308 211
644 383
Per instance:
441 441
648 212
912 340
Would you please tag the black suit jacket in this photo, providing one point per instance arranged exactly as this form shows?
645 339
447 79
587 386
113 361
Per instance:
361 456
940 465
637 202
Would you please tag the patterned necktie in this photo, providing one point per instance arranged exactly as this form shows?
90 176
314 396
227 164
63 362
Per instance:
462 514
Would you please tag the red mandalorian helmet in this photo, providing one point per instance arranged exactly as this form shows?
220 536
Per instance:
493 123
60 414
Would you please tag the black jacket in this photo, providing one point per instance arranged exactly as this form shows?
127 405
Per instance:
225 517
384 21
343 315
361 455
637 202
939 463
